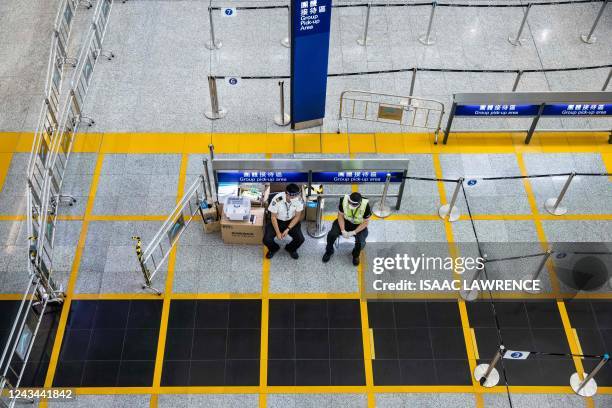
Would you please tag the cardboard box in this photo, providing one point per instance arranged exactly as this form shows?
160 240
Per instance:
210 217
244 232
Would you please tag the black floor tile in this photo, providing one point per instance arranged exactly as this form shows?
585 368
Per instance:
443 314
35 374
210 373
480 314
386 372
543 314
182 314
8 313
100 374
209 344
344 314
487 341
606 335
418 372
410 314
75 344
242 372
345 344
243 344
245 314
140 344
312 372
106 344
112 314
603 313
175 373
580 313
519 339
453 372
178 344
555 371
281 344
347 372
212 314
281 372
603 376
68 373
136 373
385 344
521 372
591 341
145 314
311 314
414 343
281 314
511 314
380 315
448 343
312 343
82 314
550 340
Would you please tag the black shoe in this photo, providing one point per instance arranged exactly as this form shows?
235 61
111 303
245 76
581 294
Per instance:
294 255
356 261
270 254
327 256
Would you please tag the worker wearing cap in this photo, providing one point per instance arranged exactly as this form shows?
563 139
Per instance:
354 213
285 215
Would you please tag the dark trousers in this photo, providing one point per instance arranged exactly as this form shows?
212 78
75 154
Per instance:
295 233
334 233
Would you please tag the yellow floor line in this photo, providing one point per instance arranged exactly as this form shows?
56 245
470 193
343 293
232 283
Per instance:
61 328
5 163
265 314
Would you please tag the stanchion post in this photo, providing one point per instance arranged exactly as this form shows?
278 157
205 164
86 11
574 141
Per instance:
538 271
319 227
605 85
286 42
282 119
412 82
588 386
553 205
381 209
212 43
517 41
449 123
216 111
363 41
450 210
534 124
472 294
519 74
588 38
486 374
426 39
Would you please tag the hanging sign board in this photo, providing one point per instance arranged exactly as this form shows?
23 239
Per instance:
516 355
262 177
355 176
390 112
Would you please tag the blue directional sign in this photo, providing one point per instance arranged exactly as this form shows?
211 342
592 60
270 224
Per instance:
262 177
578 109
497 110
310 25
356 176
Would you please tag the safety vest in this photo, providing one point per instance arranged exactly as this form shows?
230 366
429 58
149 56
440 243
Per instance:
354 216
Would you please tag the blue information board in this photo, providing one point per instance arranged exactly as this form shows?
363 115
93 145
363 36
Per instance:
356 176
574 109
310 25
497 110
262 177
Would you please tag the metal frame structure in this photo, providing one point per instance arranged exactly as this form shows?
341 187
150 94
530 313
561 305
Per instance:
409 111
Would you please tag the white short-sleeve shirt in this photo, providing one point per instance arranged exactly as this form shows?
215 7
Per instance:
285 210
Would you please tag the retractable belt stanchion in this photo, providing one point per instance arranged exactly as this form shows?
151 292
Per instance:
317 228
381 209
538 271
412 82
486 374
450 210
426 39
472 294
588 38
607 82
282 119
212 44
517 41
216 111
286 42
553 205
588 386
519 74
364 40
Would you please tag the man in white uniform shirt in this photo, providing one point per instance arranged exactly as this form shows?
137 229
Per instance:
285 214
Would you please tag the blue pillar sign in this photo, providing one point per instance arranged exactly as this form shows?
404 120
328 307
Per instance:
310 25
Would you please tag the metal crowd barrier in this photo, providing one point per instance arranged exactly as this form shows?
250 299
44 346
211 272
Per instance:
157 251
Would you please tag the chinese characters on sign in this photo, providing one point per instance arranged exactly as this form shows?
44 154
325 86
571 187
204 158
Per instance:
309 14
585 109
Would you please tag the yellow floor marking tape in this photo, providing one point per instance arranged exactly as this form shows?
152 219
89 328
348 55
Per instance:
265 320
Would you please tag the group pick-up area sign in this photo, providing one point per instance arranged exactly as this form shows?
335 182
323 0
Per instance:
310 25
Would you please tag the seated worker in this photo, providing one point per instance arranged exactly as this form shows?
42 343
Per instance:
353 217
286 211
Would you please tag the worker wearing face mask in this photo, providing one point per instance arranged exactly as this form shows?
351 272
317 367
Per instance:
354 213
285 215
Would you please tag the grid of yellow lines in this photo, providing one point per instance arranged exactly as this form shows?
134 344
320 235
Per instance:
270 144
